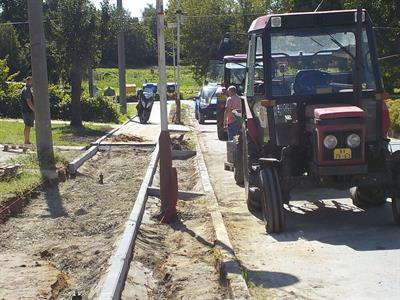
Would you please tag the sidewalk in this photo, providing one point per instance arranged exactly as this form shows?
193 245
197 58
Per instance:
150 131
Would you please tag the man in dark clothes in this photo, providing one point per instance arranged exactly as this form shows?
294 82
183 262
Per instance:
27 108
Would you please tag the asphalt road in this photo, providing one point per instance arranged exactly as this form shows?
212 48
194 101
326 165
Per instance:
330 249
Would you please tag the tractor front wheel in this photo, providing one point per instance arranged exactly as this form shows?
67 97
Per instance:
365 197
271 200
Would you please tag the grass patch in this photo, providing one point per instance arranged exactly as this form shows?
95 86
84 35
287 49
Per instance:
258 291
106 77
11 132
131 112
30 177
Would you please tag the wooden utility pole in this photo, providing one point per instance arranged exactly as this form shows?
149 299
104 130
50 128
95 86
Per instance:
44 140
168 185
121 65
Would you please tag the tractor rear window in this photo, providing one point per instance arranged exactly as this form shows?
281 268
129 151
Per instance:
316 62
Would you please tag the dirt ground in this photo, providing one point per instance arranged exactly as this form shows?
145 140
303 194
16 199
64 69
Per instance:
176 261
63 239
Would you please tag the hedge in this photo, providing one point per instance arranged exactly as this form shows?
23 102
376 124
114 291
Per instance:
98 109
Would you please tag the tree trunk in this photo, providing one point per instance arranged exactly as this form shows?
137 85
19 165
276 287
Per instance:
76 91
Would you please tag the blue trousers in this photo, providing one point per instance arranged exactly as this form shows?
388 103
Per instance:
233 129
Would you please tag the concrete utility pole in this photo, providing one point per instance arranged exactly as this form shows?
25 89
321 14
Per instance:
44 139
172 26
121 66
167 186
178 62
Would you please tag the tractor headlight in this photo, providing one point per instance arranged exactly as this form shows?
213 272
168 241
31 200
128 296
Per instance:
330 141
353 140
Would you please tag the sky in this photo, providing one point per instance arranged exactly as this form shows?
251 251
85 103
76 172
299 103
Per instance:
135 7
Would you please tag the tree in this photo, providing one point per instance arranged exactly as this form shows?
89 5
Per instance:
10 48
204 26
384 13
75 30
140 45
16 11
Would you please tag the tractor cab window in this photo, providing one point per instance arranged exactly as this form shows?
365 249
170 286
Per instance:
255 74
236 75
309 62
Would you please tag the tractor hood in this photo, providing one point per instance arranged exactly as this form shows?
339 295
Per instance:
329 112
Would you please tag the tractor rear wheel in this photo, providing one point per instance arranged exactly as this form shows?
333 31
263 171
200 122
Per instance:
271 200
396 208
365 197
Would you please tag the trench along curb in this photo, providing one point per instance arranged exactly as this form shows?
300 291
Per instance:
228 265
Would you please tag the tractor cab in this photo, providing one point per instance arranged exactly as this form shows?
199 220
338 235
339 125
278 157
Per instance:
314 110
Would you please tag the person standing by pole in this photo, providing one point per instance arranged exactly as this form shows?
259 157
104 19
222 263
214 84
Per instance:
27 109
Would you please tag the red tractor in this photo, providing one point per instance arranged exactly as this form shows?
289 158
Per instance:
314 111
234 74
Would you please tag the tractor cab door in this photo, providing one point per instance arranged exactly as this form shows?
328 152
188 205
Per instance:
255 88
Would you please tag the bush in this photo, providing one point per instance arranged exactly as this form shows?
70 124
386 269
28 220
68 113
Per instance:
99 109
394 112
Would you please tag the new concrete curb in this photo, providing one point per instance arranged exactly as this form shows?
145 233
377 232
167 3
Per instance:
229 267
117 271
80 160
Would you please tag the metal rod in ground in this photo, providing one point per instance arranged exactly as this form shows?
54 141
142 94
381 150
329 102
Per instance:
164 140
44 140
121 66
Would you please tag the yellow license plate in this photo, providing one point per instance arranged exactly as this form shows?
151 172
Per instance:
342 153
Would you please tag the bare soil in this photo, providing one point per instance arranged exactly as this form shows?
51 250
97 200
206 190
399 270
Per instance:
63 239
126 138
177 260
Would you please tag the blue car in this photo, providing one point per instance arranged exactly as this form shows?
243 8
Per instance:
206 103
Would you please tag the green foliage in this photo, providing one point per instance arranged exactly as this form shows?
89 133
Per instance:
10 48
106 77
99 109
30 177
384 13
394 112
202 35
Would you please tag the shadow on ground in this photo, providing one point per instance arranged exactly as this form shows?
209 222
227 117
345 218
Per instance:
54 202
338 222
